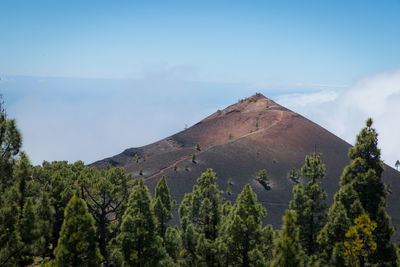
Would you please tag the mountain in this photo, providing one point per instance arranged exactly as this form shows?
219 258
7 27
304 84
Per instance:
255 133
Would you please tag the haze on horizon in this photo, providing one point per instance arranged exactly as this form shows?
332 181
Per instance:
87 79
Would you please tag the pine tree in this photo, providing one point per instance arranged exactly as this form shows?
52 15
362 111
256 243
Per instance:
189 241
242 239
173 242
106 193
138 241
201 209
287 250
309 203
17 217
45 218
362 191
10 240
162 205
136 158
22 174
332 235
77 244
58 180
263 178
28 232
365 172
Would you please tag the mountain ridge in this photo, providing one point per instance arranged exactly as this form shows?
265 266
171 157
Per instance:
253 134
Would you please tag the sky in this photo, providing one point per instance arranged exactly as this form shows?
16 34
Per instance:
87 79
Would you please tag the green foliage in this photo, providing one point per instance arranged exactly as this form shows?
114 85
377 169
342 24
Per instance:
316 261
288 250
57 179
333 233
77 245
10 241
200 216
162 205
262 176
229 190
106 193
45 219
294 175
18 228
194 158
242 239
138 243
198 146
28 233
136 158
309 203
173 242
362 191
360 242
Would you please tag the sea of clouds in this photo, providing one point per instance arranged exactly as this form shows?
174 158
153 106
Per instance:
90 119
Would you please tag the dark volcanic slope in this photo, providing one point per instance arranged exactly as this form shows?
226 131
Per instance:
237 142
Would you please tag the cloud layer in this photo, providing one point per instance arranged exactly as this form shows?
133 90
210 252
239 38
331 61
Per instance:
89 119
344 112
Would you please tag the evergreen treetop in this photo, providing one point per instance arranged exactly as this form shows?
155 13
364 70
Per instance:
77 245
287 248
138 241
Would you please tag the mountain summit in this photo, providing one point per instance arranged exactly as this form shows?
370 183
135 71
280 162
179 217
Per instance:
253 134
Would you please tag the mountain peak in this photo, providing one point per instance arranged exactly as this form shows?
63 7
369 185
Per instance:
253 134
256 104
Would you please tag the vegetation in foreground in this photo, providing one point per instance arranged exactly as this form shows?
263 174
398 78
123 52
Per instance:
61 214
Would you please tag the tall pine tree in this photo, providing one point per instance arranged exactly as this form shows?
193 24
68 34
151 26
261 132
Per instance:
287 250
77 245
138 242
106 193
243 241
200 217
162 205
45 216
309 203
361 191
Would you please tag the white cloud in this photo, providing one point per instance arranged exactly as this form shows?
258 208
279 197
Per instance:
304 100
344 112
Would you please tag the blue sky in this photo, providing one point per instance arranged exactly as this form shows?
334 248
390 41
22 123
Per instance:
130 56
261 42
